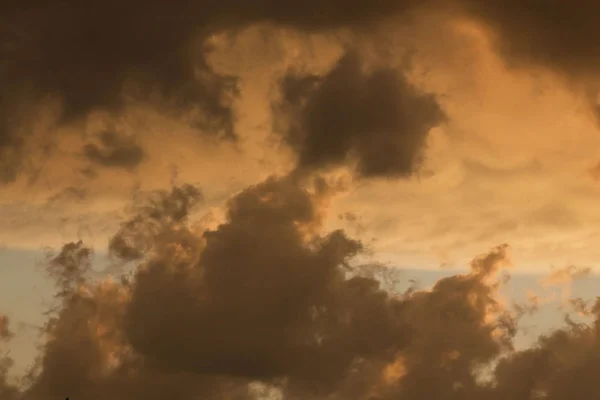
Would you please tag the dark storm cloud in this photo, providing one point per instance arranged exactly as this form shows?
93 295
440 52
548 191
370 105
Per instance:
262 297
114 151
257 298
376 119
557 34
10 155
12 143
87 54
87 356
290 311
265 297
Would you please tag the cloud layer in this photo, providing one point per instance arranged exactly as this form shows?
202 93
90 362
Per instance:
554 34
268 299
102 55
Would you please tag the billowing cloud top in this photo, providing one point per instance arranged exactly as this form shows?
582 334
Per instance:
260 298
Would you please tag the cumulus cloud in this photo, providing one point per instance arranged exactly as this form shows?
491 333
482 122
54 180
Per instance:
560 366
264 297
375 119
290 311
267 300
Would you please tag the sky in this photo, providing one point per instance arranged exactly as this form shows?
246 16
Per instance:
332 199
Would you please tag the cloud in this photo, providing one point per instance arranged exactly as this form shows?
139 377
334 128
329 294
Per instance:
264 297
102 56
595 172
291 313
69 194
459 327
562 365
562 276
114 151
554 34
10 154
375 119
268 298
7 390
5 333
12 141
69 267
160 213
